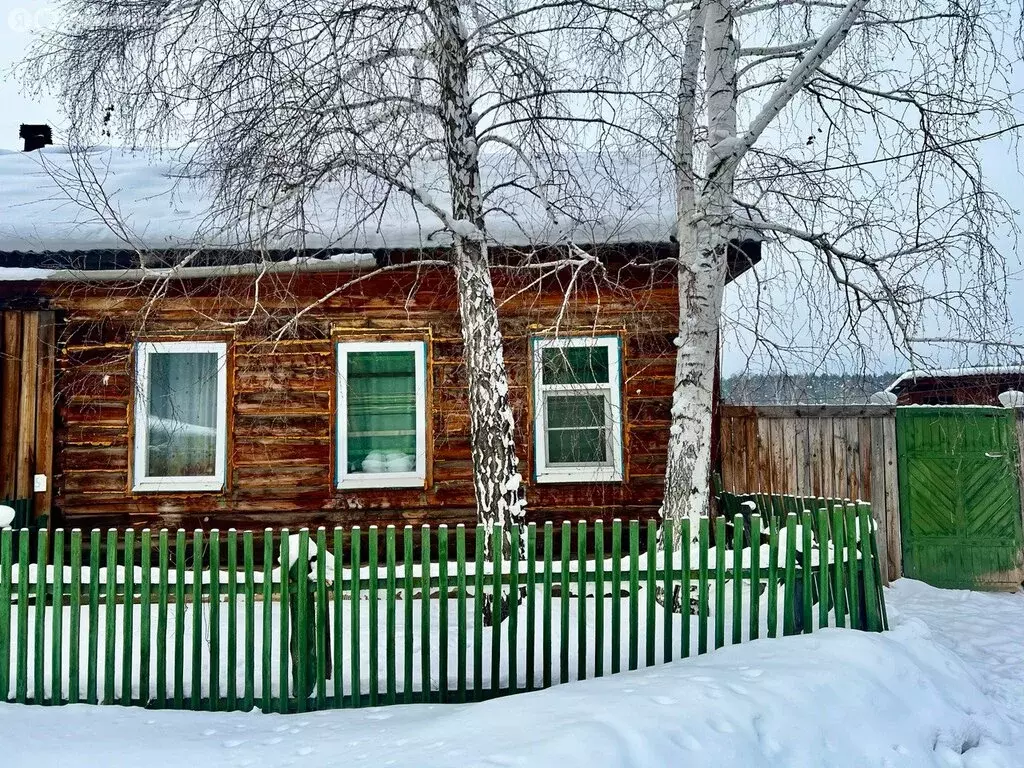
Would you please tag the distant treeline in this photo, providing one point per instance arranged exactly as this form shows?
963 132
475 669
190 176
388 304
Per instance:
803 388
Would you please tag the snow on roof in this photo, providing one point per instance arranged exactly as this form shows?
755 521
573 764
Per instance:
934 373
21 274
46 207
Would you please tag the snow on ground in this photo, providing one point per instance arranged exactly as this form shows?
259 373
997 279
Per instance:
944 688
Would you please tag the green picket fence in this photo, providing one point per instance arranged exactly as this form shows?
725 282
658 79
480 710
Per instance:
368 617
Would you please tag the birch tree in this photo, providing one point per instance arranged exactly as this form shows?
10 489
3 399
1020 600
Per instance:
846 135
277 100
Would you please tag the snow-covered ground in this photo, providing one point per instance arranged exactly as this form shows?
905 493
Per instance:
944 688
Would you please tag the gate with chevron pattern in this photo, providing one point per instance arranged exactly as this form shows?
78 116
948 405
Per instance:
960 496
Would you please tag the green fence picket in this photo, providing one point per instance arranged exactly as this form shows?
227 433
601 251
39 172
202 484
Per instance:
581 600
163 583
6 571
231 638
442 613
546 639
390 582
461 621
298 573
407 597
773 576
145 614
267 620
479 546
497 540
870 594
355 608
196 690
650 588
338 596
128 609
668 588
806 571
737 579
57 625
513 609
110 618
824 548
39 645
721 547
92 673
322 618
531 606
373 617
684 588
852 577
703 610
838 572
789 589
284 608
21 662
564 603
75 628
616 628
634 594
754 622
179 619
249 688
598 598
426 563
214 621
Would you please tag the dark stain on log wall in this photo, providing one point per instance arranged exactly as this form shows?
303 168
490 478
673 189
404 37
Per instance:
281 421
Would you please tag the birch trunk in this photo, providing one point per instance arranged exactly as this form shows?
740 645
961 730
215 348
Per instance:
496 480
704 233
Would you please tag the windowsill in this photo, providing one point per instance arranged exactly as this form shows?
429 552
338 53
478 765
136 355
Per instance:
177 484
580 475
382 480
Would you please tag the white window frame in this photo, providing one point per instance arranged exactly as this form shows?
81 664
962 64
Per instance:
141 481
414 479
612 390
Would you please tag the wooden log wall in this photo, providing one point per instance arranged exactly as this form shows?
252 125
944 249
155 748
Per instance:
281 418
27 360
832 451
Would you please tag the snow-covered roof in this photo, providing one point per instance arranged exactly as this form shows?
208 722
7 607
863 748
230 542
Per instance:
45 207
935 373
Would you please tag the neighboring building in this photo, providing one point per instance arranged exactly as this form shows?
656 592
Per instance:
957 386
183 407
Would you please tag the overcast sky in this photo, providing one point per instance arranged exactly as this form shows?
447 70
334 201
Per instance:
20 18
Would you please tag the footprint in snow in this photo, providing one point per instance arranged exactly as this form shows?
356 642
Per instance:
232 743
723 726
303 751
378 716
273 740
209 732
753 672
665 701
735 688
281 728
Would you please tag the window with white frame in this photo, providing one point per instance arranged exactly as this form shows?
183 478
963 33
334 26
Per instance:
381 414
577 409
180 416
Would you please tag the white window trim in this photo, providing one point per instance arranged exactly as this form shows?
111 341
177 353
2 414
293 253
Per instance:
565 473
140 480
352 480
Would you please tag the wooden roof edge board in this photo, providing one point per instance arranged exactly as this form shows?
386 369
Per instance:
743 255
983 371
805 411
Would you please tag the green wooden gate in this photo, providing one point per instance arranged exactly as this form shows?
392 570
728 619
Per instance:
959 496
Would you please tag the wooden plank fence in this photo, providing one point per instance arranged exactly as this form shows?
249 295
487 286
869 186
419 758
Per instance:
27 355
206 621
846 452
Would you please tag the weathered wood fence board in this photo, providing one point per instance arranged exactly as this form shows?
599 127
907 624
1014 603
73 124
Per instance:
27 355
384 618
822 451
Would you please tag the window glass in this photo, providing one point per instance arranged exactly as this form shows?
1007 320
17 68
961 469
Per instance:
182 418
576 429
381 418
575 365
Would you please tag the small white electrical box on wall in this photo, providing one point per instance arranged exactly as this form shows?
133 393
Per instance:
39 484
